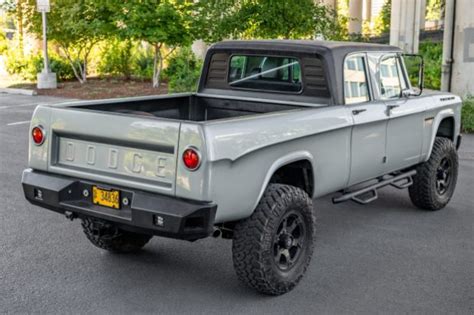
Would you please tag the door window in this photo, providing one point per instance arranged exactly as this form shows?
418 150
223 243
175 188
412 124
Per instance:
392 81
355 80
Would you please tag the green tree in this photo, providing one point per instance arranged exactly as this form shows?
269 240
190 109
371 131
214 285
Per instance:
183 71
3 44
76 26
159 23
241 19
435 10
382 21
17 10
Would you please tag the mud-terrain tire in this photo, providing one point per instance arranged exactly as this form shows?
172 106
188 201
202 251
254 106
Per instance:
107 236
435 180
272 248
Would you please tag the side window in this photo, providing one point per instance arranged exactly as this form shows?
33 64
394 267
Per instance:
392 81
355 80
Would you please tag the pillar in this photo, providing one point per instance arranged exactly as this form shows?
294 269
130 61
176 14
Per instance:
459 79
355 15
405 24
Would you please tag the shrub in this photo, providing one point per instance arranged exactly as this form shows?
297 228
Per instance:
183 71
115 58
468 114
143 65
28 67
3 43
433 55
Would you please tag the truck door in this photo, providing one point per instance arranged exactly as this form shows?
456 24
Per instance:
370 121
406 115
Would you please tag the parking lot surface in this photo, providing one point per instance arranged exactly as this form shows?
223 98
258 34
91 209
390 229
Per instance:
386 257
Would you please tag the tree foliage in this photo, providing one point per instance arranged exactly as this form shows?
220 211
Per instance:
159 23
76 26
183 71
243 19
382 21
435 10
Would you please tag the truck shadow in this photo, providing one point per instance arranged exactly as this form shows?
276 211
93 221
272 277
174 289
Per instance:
173 267
204 270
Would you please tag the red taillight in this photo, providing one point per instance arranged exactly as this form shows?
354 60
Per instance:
38 135
191 159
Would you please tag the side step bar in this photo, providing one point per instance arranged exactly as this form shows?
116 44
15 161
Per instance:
370 192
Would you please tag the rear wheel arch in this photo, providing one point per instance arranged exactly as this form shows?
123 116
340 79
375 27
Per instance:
300 163
298 174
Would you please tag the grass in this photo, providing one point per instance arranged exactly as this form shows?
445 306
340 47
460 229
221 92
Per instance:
467 121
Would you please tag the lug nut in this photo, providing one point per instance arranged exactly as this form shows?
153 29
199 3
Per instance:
85 193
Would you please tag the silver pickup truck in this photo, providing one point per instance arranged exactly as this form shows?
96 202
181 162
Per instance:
273 125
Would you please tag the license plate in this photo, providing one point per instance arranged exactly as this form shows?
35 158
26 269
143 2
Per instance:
106 198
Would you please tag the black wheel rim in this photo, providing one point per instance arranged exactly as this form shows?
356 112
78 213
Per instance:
443 176
289 240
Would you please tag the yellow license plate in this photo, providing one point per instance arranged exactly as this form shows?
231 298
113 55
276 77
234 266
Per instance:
106 198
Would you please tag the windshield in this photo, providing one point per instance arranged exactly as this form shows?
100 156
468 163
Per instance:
265 73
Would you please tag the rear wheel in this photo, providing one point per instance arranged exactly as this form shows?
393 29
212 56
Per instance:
107 236
435 180
273 247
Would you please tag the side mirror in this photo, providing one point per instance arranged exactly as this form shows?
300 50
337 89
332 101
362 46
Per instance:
407 93
415 68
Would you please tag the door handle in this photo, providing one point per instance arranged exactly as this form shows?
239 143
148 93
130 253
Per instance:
392 106
358 111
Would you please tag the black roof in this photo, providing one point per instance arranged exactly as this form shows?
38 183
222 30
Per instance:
304 46
331 53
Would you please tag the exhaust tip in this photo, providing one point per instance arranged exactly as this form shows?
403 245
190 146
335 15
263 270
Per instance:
217 233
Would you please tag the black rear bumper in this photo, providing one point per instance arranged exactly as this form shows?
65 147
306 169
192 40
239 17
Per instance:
144 212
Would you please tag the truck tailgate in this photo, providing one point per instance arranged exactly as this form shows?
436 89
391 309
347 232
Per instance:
130 151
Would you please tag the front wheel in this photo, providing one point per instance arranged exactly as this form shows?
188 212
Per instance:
273 247
435 180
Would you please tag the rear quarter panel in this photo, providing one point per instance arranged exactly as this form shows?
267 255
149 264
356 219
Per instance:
244 153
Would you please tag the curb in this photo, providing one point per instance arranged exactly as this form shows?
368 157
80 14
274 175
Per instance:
18 91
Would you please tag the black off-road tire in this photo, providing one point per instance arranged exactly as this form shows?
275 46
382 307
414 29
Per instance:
107 236
258 260
426 192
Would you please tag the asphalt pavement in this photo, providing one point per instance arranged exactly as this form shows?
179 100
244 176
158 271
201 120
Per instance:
386 257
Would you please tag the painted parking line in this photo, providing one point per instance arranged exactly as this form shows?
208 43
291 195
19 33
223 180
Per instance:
21 105
19 123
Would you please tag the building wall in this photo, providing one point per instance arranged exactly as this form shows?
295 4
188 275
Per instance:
462 81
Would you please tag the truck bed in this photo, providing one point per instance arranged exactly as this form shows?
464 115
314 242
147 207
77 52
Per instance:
188 107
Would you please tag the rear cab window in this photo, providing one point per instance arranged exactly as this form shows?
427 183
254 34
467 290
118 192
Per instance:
265 73
356 83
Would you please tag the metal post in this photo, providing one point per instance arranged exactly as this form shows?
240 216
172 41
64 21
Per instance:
448 45
45 44
46 78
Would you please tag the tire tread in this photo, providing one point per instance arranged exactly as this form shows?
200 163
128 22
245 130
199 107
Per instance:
249 253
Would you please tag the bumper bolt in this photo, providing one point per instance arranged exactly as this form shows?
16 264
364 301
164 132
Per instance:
125 201
85 193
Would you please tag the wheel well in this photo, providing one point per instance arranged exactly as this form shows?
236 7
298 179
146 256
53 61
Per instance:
298 174
446 128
